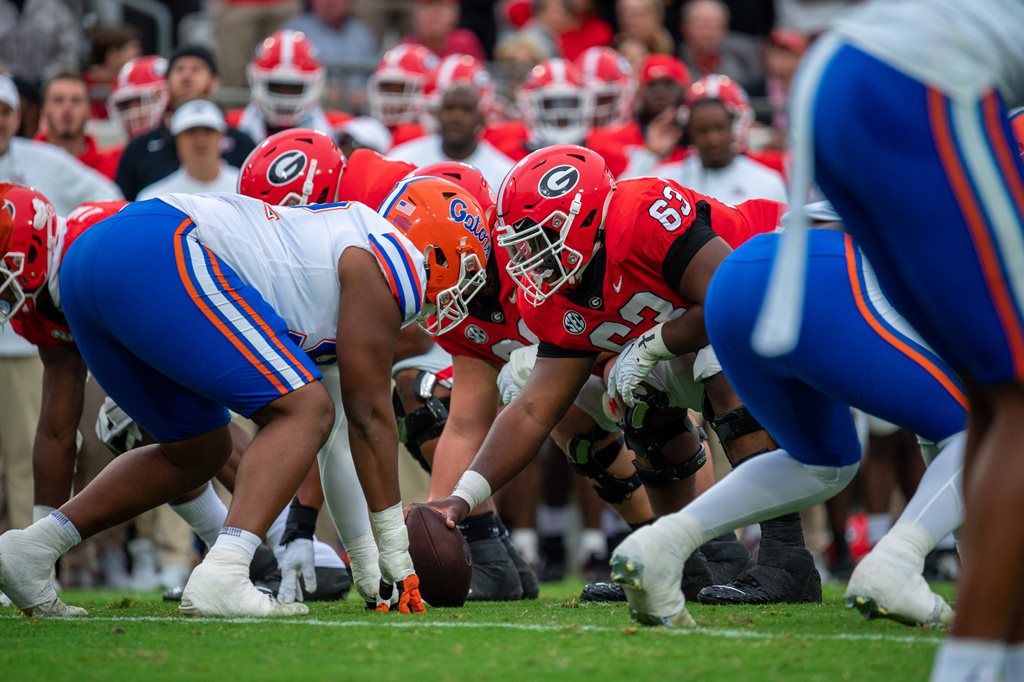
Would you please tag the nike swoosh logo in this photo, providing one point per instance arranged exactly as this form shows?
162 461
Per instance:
618 285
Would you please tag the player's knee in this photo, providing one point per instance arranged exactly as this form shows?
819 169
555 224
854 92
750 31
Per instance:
665 442
589 458
421 407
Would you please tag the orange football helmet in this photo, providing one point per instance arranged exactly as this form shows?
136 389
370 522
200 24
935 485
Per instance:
447 225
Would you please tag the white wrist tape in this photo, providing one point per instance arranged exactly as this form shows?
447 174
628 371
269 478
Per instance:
393 539
650 345
473 488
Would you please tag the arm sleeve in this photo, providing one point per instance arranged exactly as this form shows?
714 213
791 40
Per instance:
686 245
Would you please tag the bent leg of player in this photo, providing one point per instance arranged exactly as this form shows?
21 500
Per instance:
174 371
421 401
957 195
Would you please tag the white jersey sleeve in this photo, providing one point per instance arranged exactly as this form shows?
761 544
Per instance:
290 255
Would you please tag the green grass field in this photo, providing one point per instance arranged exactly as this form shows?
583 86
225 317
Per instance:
139 637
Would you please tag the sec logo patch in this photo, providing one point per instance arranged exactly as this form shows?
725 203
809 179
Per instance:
476 334
574 322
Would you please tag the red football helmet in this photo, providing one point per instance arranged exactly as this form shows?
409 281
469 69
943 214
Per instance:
138 97
459 68
1017 126
551 208
734 97
468 178
447 225
25 262
293 168
611 84
555 104
286 78
395 89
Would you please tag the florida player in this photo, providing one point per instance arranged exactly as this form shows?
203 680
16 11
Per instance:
186 265
804 400
600 265
956 192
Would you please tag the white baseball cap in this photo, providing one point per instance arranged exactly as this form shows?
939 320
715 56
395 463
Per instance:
9 92
367 132
197 113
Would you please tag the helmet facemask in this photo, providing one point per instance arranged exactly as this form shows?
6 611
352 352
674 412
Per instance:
394 100
284 99
451 306
12 296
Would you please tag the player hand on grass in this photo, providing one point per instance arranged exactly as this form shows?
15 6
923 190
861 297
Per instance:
399 586
297 564
635 363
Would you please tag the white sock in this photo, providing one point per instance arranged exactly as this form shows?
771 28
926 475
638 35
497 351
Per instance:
908 537
970 660
592 543
1014 662
41 511
938 504
878 526
526 541
764 487
205 514
552 521
59 531
236 542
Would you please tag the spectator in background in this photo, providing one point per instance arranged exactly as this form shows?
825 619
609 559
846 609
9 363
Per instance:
782 56
65 112
516 56
643 22
708 47
586 30
51 170
363 132
551 18
434 25
461 123
240 25
112 47
31 106
191 74
42 39
341 41
198 128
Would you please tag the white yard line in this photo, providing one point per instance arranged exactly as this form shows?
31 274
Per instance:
526 627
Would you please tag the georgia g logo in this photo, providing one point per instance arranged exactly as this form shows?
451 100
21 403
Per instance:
286 167
574 323
558 181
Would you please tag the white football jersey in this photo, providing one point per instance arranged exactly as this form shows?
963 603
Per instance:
290 255
958 46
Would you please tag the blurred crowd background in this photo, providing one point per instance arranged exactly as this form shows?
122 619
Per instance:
100 79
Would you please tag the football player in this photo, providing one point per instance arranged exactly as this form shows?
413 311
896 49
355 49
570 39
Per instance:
286 80
208 265
138 97
396 91
804 399
622 269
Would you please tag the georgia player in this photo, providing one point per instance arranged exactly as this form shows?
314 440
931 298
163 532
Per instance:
460 68
138 96
623 269
611 85
395 91
555 107
286 80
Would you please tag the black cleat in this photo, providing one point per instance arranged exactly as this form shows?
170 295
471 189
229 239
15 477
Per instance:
782 575
552 559
495 577
527 577
173 594
602 593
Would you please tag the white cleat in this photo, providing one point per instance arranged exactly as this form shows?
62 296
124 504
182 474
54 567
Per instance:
888 584
224 590
651 573
26 577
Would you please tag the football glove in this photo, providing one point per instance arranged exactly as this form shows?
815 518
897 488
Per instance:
299 559
635 363
514 374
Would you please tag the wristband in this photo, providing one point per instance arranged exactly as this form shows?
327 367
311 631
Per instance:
301 523
651 346
473 488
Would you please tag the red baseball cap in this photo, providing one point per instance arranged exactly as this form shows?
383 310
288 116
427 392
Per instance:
657 66
789 39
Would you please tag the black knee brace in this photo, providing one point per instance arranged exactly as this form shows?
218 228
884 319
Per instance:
731 424
648 441
425 423
586 461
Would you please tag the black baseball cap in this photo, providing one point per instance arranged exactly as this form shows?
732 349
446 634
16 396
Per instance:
197 51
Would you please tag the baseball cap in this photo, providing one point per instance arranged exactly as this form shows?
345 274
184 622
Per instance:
367 132
9 92
197 51
197 113
657 66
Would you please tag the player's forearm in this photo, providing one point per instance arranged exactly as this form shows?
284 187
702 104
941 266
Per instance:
513 441
686 333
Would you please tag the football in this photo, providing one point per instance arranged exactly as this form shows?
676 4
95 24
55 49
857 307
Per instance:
440 555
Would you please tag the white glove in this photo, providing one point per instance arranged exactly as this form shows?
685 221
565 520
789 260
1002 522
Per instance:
297 562
635 363
363 561
514 374
116 429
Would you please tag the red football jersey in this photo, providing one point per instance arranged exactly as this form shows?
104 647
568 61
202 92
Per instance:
494 327
625 291
613 144
40 320
370 177
406 132
509 138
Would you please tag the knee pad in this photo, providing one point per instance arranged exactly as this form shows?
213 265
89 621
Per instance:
648 440
425 423
593 463
731 424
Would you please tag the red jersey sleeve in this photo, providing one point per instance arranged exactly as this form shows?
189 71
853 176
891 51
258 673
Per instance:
370 177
